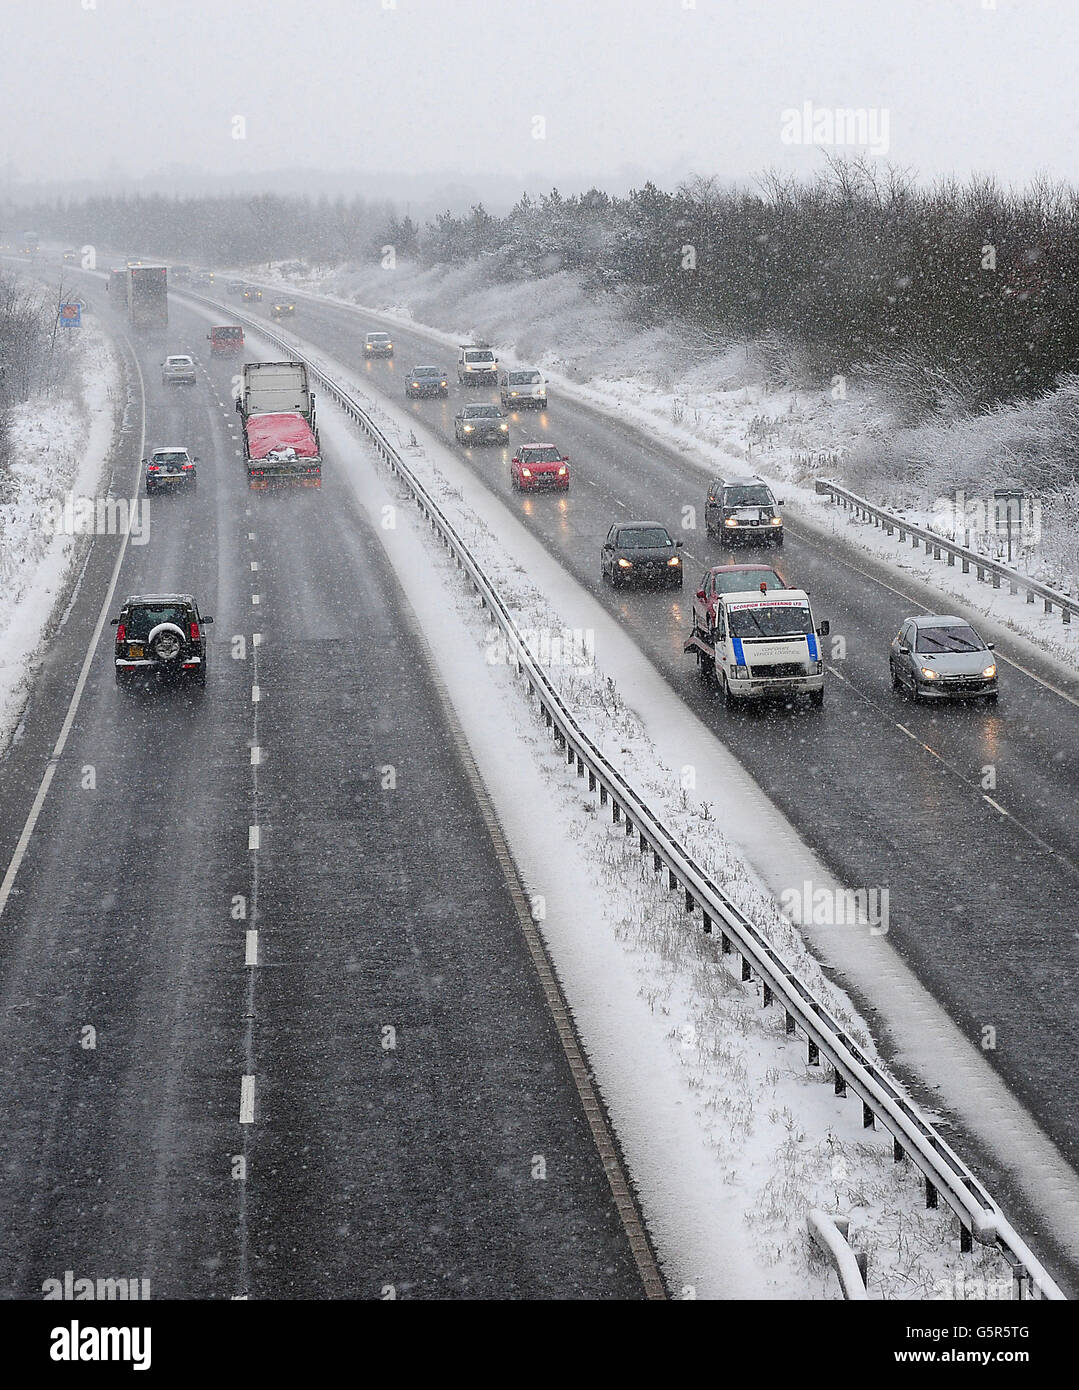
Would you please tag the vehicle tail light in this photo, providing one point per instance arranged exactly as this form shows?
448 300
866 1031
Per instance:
194 632
152 467
189 465
121 633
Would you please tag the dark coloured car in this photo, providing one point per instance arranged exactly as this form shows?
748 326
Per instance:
427 381
171 467
641 552
743 509
282 309
378 345
252 293
234 287
937 656
161 637
481 424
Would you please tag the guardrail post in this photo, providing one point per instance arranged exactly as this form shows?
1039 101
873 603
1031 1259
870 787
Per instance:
747 973
936 552
996 580
966 565
603 796
724 943
616 812
951 558
580 766
707 923
591 780
643 843
1030 596
840 1084
813 1054
657 862
672 879
690 904
788 1022
898 1152
966 1240
868 1121
930 1196
766 994
902 535
1048 606
1066 615
570 754
629 826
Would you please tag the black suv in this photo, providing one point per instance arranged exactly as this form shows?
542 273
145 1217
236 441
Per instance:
743 509
160 637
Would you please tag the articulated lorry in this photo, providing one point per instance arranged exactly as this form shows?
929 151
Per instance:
761 645
148 297
277 407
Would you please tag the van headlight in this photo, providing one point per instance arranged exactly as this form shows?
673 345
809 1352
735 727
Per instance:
777 521
989 672
625 564
674 560
740 673
731 521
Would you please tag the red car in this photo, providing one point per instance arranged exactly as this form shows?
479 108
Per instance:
539 465
729 579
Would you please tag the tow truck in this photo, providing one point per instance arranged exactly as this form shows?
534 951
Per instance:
760 644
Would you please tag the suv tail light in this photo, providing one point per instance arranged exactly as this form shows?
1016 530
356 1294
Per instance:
194 632
121 633
152 467
189 465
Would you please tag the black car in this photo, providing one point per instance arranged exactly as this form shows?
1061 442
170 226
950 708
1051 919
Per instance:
160 637
172 467
427 381
283 309
234 287
641 552
481 424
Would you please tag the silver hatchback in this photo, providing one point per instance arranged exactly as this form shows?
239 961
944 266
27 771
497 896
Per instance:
940 657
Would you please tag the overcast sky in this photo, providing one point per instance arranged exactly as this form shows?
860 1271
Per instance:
638 88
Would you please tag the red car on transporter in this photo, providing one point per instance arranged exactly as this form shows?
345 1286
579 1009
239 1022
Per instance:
729 579
536 466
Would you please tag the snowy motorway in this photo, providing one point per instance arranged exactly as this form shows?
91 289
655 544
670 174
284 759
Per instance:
983 892
254 1044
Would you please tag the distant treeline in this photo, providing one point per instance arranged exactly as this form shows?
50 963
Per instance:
971 289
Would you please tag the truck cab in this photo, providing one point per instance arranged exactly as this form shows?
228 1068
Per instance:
763 645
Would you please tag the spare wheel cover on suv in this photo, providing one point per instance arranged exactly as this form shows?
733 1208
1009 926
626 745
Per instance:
166 641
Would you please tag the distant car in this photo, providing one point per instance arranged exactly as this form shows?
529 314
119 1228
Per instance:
252 293
481 424
70 257
178 370
476 364
641 552
523 389
378 345
180 274
282 309
729 579
170 467
537 466
937 656
160 637
234 287
743 509
427 381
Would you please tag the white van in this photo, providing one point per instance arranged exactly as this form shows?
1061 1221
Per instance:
762 646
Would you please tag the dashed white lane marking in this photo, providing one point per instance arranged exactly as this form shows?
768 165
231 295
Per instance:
996 806
255 599
254 565
250 535
620 504
252 837
256 756
247 1100
251 948
256 639
256 694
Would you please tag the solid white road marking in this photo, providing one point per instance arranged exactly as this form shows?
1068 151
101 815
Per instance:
256 694
256 756
247 1100
251 948
80 684
996 805
252 837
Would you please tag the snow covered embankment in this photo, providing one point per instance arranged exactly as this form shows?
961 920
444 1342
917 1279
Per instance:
58 447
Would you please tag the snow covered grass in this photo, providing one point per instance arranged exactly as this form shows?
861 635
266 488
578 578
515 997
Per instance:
730 1136
57 446
763 407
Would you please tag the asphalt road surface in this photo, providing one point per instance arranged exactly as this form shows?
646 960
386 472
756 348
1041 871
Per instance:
309 1062
984 906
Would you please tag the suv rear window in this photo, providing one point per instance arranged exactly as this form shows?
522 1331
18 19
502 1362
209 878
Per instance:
141 619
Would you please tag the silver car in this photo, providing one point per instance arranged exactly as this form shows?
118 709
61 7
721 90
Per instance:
481 424
178 370
941 657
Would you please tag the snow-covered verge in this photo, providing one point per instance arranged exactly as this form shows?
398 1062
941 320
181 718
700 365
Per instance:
748 406
59 447
729 1135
